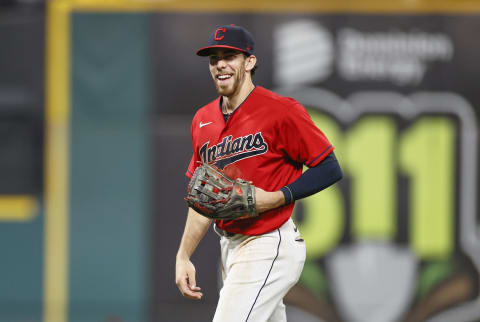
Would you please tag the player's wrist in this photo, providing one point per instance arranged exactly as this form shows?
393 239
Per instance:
182 256
279 198
268 200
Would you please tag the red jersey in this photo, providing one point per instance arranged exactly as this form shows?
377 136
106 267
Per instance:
266 140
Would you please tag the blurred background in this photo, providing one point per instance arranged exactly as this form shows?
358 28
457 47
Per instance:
96 100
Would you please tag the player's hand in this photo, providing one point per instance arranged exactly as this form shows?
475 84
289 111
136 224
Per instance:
185 279
266 200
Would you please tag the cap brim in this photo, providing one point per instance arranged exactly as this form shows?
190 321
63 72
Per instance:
205 51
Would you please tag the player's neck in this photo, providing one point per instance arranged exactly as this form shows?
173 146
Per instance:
230 103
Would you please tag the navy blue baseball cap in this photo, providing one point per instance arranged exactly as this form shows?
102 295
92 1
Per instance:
229 36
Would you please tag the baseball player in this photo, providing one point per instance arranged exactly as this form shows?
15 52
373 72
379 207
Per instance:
252 133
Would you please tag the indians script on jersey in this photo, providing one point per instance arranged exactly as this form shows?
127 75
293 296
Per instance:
231 150
266 140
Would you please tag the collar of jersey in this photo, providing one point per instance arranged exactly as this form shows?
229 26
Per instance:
241 104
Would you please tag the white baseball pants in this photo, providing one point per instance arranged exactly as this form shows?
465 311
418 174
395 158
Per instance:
257 272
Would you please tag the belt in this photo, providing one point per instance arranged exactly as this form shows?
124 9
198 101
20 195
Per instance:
222 232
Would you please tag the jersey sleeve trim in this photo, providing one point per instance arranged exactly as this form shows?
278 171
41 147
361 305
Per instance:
321 156
287 194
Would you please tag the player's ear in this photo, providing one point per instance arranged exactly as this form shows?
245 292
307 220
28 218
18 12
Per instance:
250 62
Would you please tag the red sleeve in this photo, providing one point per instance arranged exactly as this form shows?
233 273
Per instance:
191 167
301 139
194 161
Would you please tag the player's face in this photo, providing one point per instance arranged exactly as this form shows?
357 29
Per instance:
228 71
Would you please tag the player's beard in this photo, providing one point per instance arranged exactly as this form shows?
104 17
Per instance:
233 86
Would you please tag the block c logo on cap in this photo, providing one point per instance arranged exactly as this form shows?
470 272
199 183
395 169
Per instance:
216 36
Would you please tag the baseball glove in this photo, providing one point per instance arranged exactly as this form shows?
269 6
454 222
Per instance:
215 195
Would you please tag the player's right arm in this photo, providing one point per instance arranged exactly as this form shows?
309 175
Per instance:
195 228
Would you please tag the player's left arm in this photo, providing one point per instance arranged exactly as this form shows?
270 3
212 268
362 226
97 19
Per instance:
315 179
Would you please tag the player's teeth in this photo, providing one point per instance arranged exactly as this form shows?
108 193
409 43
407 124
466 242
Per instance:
223 76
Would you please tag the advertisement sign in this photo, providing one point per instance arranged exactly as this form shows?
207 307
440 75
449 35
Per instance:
397 239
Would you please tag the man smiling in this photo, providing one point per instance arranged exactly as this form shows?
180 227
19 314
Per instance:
228 68
259 136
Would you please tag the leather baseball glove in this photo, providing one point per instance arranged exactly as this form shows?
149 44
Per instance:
215 195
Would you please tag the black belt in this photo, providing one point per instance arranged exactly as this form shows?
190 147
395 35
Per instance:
223 233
